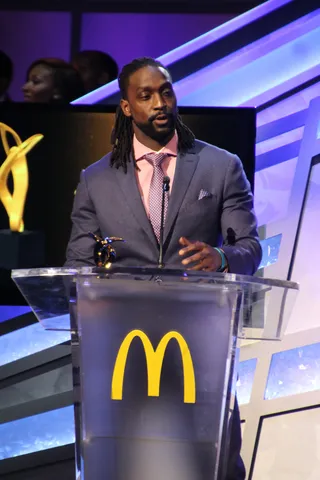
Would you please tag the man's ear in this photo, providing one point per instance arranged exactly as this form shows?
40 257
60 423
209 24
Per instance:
124 104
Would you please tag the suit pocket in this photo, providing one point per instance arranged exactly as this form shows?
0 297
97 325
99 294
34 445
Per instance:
199 220
204 205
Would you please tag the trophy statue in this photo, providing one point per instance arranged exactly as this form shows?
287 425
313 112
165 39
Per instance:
104 252
19 248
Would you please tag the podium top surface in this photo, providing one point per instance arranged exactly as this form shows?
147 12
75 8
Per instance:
152 271
265 303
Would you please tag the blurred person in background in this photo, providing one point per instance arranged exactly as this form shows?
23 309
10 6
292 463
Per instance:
96 68
6 74
52 80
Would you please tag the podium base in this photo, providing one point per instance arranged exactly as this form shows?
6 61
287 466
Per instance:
21 250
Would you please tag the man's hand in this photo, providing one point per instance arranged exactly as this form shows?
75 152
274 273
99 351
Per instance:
203 256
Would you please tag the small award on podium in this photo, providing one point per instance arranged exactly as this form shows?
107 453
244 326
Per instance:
19 248
104 252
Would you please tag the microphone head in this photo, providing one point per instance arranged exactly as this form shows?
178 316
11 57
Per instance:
166 183
166 179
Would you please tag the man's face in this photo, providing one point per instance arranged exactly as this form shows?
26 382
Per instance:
151 102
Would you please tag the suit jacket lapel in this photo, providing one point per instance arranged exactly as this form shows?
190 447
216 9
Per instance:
131 194
185 168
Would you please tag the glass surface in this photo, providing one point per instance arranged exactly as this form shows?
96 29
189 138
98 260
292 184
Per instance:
51 429
246 371
265 307
294 371
156 362
270 250
29 340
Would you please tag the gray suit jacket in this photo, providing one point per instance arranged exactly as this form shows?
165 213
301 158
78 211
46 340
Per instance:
210 197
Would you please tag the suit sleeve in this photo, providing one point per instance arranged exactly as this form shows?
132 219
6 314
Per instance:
238 222
80 249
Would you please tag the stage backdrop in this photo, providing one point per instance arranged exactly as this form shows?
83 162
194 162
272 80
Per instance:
75 137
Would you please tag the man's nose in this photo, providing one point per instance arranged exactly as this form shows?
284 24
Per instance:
159 102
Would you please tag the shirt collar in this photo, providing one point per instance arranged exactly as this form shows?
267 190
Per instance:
141 150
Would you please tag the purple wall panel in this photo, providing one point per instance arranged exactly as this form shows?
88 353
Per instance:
126 36
26 36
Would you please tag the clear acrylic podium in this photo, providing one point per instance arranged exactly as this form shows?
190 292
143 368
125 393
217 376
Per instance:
154 361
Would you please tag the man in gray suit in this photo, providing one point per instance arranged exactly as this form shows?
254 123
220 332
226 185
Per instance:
209 219
210 195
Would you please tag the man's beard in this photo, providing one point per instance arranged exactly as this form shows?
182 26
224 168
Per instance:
161 134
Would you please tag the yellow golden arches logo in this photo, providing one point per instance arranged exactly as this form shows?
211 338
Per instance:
16 163
154 359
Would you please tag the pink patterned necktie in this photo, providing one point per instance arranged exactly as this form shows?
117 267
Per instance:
155 193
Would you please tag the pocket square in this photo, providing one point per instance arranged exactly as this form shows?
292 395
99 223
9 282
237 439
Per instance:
204 194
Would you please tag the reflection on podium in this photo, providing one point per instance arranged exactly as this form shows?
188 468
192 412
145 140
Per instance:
154 358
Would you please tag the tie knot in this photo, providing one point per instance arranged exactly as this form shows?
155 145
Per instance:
155 158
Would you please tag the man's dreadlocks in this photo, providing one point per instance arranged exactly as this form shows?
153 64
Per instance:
122 133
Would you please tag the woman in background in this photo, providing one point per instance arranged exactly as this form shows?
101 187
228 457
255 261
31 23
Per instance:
51 80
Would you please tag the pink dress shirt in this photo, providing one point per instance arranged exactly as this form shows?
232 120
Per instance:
144 174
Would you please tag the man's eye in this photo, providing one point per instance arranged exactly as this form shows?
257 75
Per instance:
167 93
146 96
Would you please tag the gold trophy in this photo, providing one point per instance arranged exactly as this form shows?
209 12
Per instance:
18 248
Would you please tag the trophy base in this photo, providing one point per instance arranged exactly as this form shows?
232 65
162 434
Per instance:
21 250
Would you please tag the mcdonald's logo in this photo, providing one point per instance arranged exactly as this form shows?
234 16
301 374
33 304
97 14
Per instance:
154 359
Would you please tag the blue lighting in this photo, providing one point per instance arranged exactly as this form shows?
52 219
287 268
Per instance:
56 427
294 371
39 432
318 131
28 340
222 31
192 46
240 85
11 311
246 372
270 250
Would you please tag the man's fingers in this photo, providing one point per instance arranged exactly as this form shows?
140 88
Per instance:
205 265
184 241
202 257
197 257
191 248
197 267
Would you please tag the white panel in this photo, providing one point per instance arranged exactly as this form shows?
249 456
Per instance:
306 314
289 447
272 191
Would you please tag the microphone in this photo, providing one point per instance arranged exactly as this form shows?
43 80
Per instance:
231 236
165 191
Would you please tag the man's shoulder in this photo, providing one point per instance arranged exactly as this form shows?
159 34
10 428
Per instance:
212 156
212 151
97 168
